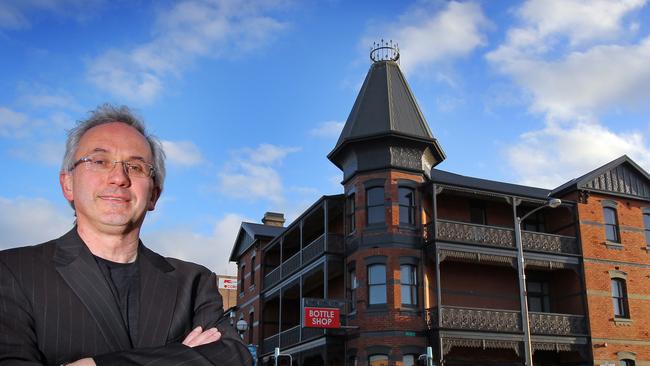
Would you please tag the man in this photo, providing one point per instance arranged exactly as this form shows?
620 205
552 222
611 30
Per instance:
97 295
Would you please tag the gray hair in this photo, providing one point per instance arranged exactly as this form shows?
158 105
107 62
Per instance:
107 113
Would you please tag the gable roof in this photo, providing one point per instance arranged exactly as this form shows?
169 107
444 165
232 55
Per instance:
441 176
620 177
248 233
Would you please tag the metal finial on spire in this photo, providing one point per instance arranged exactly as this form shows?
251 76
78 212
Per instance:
384 51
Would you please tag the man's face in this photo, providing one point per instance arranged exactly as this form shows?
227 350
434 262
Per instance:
110 202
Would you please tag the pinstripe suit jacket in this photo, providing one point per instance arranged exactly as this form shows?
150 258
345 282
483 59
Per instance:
56 307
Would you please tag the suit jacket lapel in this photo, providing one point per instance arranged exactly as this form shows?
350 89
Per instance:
157 298
76 265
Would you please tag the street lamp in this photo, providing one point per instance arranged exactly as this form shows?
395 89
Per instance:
523 293
242 327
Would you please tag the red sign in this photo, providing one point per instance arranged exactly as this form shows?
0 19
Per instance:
322 317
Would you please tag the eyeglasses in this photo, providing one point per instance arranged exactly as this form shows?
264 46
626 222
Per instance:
102 163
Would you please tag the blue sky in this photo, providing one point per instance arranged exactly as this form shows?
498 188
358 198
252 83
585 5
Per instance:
250 96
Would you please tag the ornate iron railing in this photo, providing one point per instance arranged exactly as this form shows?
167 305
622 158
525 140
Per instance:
314 250
549 242
557 324
475 319
463 232
475 234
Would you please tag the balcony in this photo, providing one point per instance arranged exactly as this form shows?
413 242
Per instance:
290 337
309 253
499 237
505 321
557 324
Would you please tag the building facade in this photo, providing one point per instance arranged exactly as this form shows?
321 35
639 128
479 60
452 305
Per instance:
412 257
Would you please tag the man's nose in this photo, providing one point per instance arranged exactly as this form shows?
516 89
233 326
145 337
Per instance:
118 175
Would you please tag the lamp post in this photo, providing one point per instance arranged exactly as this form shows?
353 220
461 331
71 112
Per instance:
242 327
523 293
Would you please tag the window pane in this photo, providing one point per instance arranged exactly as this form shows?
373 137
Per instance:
375 196
647 237
376 214
610 233
378 360
646 221
535 304
406 274
377 294
405 216
377 274
406 197
408 360
610 216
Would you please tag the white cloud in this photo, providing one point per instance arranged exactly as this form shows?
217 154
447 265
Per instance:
12 123
187 30
15 14
29 221
578 20
428 35
47 152
557 153
182 152
252 174
328 129
212 250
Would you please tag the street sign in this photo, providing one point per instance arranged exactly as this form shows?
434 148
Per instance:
228 283
322 317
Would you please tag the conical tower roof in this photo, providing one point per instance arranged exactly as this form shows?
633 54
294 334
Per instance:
385 109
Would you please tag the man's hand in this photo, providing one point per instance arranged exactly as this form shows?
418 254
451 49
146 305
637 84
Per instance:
199 337
83 362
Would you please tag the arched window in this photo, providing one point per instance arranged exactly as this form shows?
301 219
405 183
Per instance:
376 284
611 225
406 206
619 298
252 270
627 363
646 224
378 360
375 205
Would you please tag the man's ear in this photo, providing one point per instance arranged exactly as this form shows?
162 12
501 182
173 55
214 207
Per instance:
65 179
155 194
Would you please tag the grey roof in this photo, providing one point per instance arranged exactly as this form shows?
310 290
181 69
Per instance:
248 232
621 176
441 176
386 106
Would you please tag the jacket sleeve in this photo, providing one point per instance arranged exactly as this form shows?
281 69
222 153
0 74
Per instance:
17 336
208 312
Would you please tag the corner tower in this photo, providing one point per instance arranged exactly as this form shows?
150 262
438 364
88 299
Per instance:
386 152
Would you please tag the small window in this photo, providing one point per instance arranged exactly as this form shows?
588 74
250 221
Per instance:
406 206
375 205
377 284
538 296
251 319
350 205
241 280
408 283
252 270
378 360
611 225
535 222
353 290
627 363
477 213
619 298
409 360
646 223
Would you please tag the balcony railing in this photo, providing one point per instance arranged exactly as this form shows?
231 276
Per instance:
557 324
290 336
549 242
499 237
313 250
506 321
269 343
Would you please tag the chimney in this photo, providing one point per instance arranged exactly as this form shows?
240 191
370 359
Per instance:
273 219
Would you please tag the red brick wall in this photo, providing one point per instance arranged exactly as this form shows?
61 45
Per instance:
631 259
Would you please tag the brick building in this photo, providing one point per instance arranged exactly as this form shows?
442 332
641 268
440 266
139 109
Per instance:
414 256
